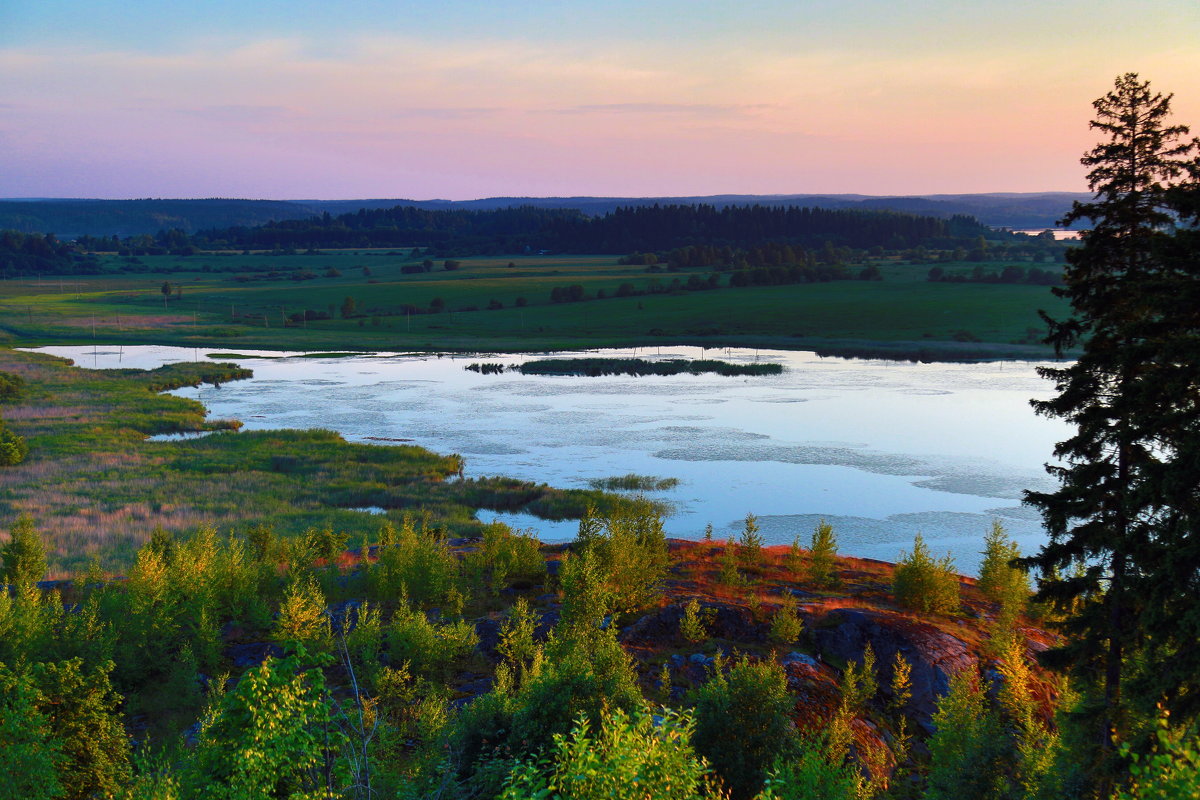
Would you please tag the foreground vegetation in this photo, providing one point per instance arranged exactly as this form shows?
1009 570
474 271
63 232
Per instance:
625 665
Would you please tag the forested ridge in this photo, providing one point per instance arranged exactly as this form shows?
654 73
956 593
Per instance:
72 218
621 231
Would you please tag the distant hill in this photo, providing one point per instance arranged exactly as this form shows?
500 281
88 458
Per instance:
69 218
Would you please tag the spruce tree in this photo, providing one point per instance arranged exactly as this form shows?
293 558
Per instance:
1127 475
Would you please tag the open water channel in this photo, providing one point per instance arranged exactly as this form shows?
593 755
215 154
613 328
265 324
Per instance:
880 449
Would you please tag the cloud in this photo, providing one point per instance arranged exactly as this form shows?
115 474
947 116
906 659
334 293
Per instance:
697 109
236 113
447 112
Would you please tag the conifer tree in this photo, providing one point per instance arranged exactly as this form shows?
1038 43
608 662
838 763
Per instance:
24 556
999 580
823 551
1122 510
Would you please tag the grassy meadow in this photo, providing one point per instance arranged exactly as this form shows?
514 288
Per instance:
245 300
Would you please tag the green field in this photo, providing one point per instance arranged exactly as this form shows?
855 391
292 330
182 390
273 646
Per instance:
236 301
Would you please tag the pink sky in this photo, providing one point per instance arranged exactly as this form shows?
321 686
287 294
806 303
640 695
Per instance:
388 114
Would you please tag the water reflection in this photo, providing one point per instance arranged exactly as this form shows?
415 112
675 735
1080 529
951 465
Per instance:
881 449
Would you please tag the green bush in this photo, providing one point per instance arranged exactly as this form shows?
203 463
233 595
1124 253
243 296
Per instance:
631 550
967 746
750 545
518 651
30 758
1000 582
812 776
272 736
82 714
691 627
742 723
786 625
416 564
586 597
428 649
1171 772
585 672
12 386
13 448
629 756
303 621
926 584
24 556
505 557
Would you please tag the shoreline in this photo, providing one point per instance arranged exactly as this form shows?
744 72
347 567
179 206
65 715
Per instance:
913 351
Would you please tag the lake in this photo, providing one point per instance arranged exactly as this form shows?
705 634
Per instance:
880 449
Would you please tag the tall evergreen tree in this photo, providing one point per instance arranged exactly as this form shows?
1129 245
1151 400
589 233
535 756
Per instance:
1126 468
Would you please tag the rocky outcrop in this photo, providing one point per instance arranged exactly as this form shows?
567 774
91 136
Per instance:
935 655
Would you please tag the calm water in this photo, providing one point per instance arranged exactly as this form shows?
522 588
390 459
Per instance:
880 449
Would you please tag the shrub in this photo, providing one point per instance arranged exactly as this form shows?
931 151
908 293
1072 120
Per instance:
517 648
428 649
965 748
505 557
630 550
812 776
1171 772
363 641
630 756
859 682
691 627
926 584
326 545
786 625
586 598
303 622
30 758
12 386
13 448
416 563
742 723
585 673
795 557
272 736
727 562
82 714
478 739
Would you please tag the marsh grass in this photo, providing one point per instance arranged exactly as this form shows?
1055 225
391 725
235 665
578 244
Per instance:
633 483
98 488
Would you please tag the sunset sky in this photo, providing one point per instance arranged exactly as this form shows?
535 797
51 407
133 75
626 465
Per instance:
456 99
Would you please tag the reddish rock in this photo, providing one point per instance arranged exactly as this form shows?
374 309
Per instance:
935 655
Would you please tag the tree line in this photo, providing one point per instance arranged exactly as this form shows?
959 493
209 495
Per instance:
529 229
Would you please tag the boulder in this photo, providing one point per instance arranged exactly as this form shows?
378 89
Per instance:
252 654
935 655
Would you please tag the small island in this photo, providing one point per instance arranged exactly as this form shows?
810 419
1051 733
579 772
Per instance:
595 367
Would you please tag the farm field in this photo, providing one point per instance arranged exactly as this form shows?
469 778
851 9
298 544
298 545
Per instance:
363 300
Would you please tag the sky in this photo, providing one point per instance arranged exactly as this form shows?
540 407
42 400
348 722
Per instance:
459 99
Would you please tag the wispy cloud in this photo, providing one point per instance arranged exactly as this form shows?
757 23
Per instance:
464 112
236 113
695 109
